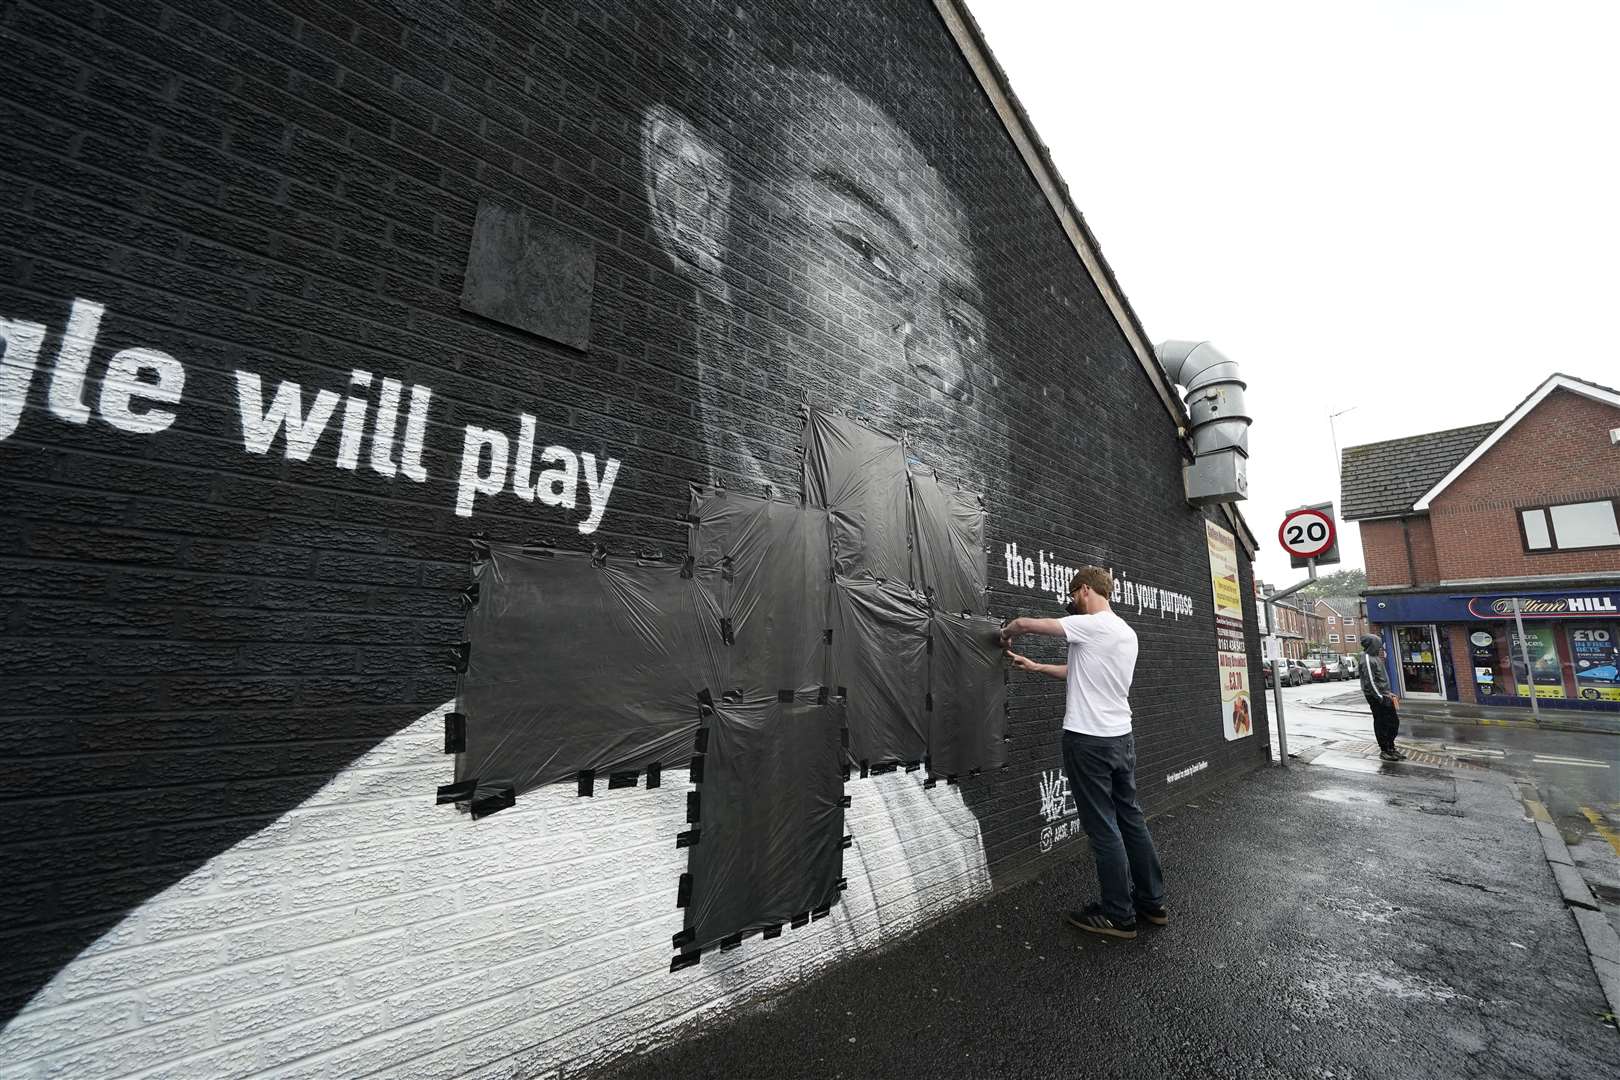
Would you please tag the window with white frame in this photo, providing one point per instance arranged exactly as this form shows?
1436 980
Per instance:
1334 638
1571 526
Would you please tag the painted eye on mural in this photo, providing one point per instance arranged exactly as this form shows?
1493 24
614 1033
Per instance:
966 327
857 241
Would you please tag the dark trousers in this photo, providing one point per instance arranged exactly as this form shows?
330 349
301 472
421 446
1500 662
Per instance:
1102 777
1386 724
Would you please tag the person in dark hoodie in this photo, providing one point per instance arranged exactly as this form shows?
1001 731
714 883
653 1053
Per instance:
1375 684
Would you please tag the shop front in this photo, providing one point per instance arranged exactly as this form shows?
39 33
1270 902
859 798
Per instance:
1469 647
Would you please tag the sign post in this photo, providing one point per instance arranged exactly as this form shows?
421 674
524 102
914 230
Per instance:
1309 536
1529 671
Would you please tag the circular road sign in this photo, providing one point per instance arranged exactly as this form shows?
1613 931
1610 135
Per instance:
1306 534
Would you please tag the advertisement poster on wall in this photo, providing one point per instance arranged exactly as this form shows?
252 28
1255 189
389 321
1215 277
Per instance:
1230 652
1542 644
1595 651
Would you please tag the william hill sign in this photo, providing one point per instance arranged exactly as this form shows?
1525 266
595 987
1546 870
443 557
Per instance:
1543 608
1593 604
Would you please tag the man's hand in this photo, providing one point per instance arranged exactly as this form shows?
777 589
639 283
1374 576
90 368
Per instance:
1022 663
1024 625
1394 702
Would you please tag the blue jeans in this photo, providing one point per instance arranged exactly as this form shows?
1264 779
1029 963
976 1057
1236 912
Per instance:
1102 778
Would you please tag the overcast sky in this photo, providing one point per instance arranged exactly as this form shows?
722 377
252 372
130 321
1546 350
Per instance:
1412 209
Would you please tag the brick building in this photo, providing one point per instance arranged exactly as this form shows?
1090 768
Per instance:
1462 527
1300 626
1342 622
307 305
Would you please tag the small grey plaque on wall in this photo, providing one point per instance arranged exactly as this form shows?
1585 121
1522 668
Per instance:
526 274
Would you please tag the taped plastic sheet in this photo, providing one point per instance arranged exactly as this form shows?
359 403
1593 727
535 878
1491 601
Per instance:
968 723
769 584
950 542
859 476
772 818
578 664
880 651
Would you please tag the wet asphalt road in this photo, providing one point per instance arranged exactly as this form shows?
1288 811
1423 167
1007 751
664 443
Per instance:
1326 923
1577 774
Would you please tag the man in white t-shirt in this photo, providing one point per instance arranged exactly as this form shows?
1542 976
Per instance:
1099 752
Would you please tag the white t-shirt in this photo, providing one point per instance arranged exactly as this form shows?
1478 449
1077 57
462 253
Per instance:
1102 659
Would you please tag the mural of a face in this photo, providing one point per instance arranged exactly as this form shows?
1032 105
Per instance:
856 234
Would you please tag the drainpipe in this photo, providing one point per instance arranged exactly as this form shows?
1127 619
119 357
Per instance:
1220 420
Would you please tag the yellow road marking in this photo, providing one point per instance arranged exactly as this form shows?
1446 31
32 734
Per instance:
1538 811
1603 829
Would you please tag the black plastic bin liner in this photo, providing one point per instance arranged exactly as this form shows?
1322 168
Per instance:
950 542
771 820
968 723
859 475
770 583
582 664
880 658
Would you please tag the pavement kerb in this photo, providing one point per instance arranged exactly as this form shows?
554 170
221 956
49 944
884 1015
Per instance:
1416 711
1601 940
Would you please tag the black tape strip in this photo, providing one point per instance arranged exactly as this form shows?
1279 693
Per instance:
865 772
843 737
689 838
820 912
455 732
843 692
694 806
697 768
587 782
726 634
728 571
879 770
844 801
494 801
684 938
930 642
705 698
700 741
846 772
951 779
928 702
655 775
843 883
457 792
460 656
469 597
913 766
974 772
627 778
686 566
771 932
930 782
822 695
685 960
828 635
846 841
785 696
683 893
799 920
480 546
729 943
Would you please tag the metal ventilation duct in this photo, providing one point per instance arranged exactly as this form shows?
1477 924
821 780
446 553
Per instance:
1213 391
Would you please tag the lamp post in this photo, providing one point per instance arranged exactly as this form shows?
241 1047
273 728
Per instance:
1335 434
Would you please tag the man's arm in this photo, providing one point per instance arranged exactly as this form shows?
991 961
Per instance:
1024 663
1022 625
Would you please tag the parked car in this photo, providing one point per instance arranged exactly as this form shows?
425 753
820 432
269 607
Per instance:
1300 673
1325 667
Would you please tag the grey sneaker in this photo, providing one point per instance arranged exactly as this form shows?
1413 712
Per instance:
1156 914
1093 921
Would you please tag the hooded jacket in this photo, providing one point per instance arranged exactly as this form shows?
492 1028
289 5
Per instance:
1374 679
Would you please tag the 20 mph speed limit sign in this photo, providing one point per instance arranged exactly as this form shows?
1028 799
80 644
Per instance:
1306 534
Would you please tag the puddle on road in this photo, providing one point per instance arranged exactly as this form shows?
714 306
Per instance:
1342 795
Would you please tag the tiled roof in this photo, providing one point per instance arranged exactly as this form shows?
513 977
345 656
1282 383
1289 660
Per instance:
1388 477
1346 606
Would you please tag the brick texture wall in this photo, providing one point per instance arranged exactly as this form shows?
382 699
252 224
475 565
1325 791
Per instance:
227 662
1400 551
1559 453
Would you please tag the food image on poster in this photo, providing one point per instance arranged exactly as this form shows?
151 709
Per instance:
1595 653
1231 655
